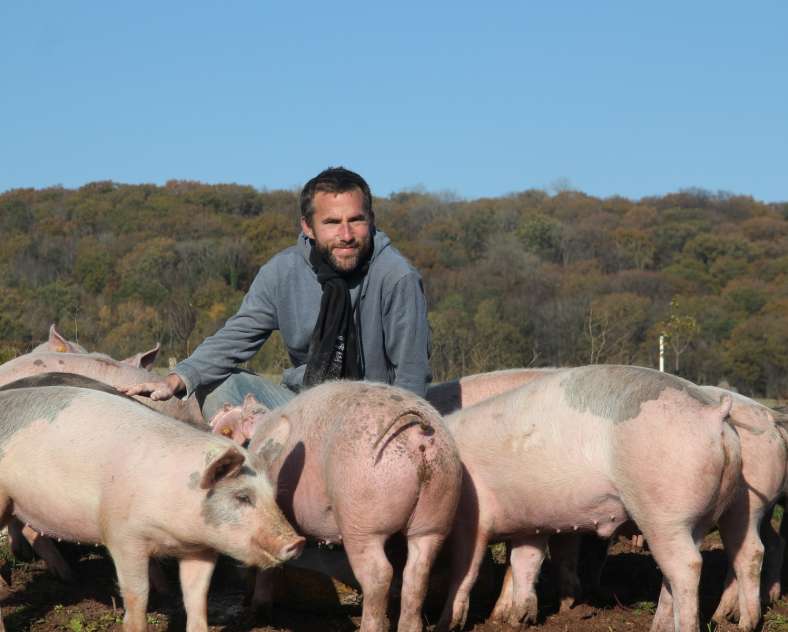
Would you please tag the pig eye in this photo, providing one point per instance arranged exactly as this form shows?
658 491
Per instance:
244 499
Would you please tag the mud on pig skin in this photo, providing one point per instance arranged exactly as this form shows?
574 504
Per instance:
93 467
588 449
358 462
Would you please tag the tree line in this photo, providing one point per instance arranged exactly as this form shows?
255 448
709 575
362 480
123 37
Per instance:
528 279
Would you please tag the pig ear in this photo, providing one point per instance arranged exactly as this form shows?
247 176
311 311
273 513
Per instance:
275 440
225 465
58 343
145 359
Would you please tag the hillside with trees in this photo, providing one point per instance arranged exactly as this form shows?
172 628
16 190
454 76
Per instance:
528 279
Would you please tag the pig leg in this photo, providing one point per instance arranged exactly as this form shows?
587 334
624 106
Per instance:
131 565
678 556
739 533
373 571
526 560
466 562
45 549
17 542
773 561
564 553
503 606
728 608
195 573
422 551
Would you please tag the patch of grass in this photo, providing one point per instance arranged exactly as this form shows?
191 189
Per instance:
644 607
775 622
79 623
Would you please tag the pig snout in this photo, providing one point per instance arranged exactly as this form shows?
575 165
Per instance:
277 548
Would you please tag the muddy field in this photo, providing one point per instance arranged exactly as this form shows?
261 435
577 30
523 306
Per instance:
310 602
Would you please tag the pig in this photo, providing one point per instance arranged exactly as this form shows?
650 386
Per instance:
58 344
764 461
89 365
589 449
764 480
448 397
95 467
357 462
101 367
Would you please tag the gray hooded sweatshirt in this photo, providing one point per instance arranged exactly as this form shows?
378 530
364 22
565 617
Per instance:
389 306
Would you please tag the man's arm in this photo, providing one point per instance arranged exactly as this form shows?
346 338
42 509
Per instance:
407 334
238 340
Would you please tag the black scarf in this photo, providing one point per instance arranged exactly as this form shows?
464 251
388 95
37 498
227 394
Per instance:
333 349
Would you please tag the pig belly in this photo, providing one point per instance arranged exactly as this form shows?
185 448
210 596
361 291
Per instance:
72 525
315 517
537 504
52 484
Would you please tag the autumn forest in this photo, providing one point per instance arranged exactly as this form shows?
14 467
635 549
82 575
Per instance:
528 279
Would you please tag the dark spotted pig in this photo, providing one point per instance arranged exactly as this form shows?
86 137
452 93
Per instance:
358 462
589 449
99 367
94 467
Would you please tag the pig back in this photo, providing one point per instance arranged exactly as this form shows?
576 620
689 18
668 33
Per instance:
361 449
99 367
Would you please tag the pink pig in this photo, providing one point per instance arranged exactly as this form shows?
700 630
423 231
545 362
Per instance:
358 462
96 467
466 391
589 449
99 367
58 344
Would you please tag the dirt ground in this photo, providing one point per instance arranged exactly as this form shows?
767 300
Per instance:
310 603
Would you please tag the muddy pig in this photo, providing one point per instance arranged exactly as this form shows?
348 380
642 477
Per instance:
358 462
88 466
588 449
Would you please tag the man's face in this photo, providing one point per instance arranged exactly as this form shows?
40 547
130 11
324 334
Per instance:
340 228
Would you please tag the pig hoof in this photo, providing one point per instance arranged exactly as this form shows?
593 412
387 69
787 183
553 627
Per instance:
500 614
567 603
773 594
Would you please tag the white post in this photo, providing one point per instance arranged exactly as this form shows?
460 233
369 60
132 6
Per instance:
662 353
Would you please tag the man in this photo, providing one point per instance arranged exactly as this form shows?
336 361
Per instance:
347 303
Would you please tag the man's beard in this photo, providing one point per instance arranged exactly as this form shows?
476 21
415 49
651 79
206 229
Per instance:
346 265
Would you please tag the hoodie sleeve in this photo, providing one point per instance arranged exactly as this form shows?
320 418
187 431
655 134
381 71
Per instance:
238 340
407 334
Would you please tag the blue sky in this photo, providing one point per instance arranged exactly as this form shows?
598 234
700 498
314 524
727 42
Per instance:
619 98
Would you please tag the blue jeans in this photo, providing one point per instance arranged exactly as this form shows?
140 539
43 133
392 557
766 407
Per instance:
233 390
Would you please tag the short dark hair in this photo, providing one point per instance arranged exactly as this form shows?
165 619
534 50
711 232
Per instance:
334 180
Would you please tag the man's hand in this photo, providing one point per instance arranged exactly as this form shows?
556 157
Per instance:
158 391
